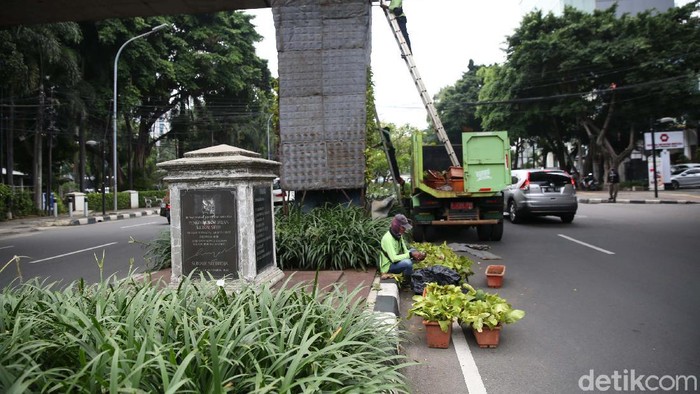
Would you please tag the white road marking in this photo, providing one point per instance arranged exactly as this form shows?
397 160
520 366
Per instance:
585 244
475 385
7 247
138 225
71 253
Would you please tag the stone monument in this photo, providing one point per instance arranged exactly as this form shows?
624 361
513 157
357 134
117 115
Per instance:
222 221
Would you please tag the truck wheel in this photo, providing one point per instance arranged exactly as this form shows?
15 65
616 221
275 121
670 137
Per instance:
497 233
484 232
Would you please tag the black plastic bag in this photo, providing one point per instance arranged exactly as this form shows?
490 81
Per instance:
436 273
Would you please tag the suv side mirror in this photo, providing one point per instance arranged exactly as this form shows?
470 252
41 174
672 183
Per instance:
513 180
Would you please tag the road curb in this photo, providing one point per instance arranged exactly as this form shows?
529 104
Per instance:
630 201
383 298
106 218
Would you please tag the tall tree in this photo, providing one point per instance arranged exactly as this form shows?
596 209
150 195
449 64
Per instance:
38 59
457 117
205 65
594 77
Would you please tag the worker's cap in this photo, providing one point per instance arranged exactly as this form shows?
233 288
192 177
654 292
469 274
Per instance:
401 221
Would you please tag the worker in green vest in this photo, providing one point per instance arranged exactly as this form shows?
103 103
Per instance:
396 8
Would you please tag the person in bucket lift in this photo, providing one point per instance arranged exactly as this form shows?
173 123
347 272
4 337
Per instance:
396 8
395 256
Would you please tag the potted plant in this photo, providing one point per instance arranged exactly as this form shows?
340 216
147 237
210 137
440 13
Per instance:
494 275
439 307
487 313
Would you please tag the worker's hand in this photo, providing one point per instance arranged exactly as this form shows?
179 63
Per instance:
386 7
418 255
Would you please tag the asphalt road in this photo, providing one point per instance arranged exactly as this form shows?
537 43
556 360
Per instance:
65 254
616 290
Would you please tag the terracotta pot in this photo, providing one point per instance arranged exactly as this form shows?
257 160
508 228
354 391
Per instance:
488 337
434 335
494 275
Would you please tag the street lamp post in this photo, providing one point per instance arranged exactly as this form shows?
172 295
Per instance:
114 112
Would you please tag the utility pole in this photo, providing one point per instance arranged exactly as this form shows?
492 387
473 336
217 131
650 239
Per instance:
38 150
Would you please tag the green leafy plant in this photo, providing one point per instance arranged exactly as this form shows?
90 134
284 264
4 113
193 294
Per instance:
487 309
331 237
445 256
132 336
158 251
442 304
445 303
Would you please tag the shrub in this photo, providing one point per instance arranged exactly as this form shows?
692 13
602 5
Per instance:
157 254
136 337
22 202
332 237
95 201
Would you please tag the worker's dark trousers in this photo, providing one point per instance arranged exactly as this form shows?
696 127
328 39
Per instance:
402 25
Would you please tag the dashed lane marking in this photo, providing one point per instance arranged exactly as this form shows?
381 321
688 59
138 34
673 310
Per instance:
472 377
586 244
72 253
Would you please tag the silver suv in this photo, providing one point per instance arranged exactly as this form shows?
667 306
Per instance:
540 193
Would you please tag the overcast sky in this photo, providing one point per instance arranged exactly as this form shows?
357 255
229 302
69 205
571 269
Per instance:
444 34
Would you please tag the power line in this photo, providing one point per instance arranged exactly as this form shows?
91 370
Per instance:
580 94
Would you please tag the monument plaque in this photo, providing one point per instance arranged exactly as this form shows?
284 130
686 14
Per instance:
262 207
209 236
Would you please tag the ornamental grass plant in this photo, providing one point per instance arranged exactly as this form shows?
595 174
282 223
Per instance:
132 336
329 238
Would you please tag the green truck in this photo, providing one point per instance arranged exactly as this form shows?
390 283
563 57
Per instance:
469 195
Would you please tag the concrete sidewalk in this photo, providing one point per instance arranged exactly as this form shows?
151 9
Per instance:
691 196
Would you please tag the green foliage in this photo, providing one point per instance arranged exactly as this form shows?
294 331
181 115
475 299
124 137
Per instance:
450 102
158 251
138 337
95 201
593 77
442 304
640 185
331 237
487 309
445 256
476 308
22 203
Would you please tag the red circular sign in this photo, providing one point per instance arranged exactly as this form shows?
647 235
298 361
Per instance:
664 137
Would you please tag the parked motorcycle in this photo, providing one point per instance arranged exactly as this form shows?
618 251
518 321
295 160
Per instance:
589 183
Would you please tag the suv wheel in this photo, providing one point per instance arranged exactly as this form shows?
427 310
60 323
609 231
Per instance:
675 185
513 214
567 218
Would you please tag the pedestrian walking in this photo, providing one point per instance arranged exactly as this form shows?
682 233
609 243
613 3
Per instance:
613 184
